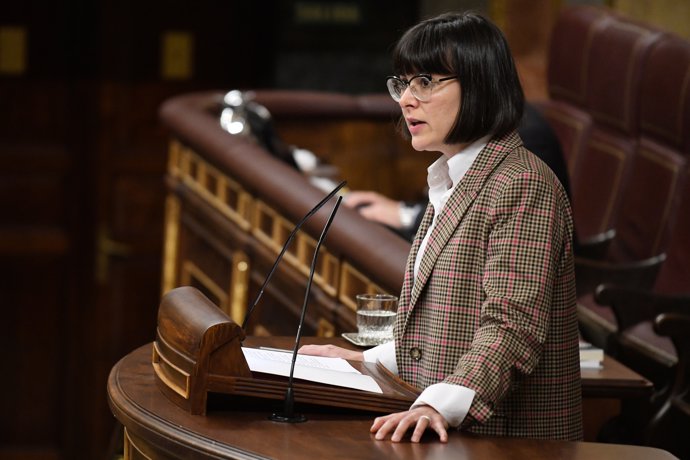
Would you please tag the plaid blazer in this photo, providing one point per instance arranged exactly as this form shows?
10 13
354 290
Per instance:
493 306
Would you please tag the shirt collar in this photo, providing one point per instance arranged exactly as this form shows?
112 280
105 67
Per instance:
445 173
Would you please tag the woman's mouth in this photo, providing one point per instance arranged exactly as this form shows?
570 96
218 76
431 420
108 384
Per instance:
414 125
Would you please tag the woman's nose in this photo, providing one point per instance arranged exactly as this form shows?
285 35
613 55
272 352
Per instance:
407 98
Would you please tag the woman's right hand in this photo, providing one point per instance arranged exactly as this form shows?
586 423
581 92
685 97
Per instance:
331 351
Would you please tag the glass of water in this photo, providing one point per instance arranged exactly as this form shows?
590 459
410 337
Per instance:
375 317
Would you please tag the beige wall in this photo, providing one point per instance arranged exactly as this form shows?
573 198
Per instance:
671 15
527 25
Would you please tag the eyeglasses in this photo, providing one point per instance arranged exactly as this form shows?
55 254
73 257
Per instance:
420 85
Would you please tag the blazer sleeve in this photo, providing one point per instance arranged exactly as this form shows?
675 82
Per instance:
527 225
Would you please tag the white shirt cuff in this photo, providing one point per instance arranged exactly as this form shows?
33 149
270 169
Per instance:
451 401
385 353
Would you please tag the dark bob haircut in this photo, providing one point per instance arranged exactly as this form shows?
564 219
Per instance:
473 48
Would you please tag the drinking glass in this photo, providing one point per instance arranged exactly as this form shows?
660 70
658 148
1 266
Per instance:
375 317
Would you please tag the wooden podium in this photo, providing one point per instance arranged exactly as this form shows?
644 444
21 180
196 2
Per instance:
197 351
160 393
154 427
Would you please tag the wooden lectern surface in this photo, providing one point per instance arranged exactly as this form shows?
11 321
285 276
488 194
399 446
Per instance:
157 428
613 380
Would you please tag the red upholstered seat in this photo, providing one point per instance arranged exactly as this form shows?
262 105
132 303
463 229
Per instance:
674 277
665 122
566 110
602 176
665 94
612 71
655 211
636 342
620 105
649 205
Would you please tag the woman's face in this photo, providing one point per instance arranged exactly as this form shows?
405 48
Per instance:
430 122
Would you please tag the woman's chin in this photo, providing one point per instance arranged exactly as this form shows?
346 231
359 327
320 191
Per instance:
422 147
419 145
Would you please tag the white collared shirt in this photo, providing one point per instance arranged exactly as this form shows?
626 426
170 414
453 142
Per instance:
442 176
451 401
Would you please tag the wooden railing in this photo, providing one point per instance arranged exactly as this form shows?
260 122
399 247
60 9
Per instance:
231 206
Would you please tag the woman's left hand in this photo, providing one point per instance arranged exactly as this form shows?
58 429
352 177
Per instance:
421 418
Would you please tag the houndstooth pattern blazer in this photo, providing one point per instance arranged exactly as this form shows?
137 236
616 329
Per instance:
493 306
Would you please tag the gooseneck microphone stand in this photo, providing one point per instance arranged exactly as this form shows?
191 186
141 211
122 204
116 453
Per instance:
288 415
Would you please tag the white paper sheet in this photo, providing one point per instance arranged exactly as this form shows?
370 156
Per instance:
332 371
591 365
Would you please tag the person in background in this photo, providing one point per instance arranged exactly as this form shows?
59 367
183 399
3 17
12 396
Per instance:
486 324
404 217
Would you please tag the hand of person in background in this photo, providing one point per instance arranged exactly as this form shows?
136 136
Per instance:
376 207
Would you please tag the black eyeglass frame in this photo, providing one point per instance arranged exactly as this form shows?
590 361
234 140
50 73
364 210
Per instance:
408 82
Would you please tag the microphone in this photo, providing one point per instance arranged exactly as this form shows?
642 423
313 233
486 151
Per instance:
288 415
290 237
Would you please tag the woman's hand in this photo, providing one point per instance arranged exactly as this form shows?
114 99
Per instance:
421 418
331 351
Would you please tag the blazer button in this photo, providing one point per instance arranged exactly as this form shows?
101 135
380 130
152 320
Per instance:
416 353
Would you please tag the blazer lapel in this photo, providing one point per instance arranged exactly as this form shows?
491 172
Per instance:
447 221
455 208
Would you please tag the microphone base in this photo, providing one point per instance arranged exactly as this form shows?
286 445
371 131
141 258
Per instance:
283 418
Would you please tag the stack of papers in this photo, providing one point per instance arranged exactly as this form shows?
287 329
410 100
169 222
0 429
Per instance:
331 371
591 357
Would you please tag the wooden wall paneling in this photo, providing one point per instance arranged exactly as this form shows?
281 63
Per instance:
128 203
129 167
40 161
365 156
370 155
33 346
527 25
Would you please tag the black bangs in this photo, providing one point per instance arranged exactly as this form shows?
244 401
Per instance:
423 48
